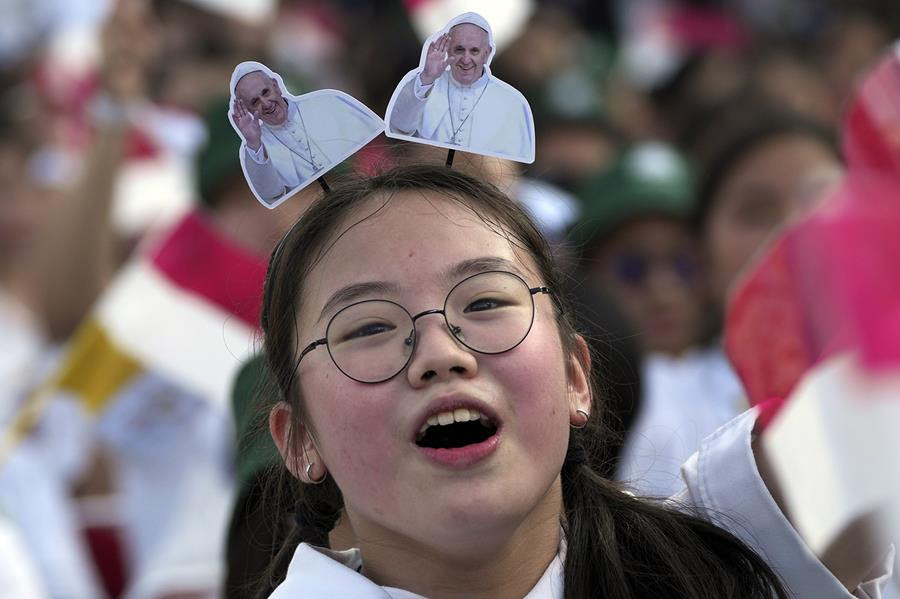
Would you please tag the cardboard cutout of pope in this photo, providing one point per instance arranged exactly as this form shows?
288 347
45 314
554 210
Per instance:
452 101
290 141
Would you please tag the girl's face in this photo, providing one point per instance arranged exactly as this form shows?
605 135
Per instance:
412 252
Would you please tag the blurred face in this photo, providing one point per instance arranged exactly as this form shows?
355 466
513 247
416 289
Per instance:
776 183
262 97
398 492
650 267
469 47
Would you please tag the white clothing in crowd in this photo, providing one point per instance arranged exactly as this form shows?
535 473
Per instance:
172 459
685 399
42 533
18 578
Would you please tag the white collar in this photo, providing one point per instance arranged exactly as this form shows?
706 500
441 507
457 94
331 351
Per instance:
480 83
320 572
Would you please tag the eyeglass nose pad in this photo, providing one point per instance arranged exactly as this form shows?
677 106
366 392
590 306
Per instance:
410 338
457 331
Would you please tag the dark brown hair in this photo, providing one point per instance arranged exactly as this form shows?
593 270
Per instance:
737 128
618 546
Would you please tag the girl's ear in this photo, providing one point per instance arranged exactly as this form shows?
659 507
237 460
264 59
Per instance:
305 464
579 381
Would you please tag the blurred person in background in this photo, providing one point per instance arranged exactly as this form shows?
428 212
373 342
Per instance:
51 450
170 446
767 169
763 167
52 272
42 536
637 245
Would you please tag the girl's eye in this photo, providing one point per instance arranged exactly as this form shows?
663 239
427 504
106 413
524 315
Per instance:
483 304
368 330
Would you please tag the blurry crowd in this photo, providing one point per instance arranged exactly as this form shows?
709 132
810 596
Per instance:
674 141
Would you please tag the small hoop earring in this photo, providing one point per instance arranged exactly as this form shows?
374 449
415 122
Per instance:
586 418
310 478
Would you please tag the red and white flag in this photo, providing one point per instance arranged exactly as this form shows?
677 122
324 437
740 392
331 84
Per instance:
814 331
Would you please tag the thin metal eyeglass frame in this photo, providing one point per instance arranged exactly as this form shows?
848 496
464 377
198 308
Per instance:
454 330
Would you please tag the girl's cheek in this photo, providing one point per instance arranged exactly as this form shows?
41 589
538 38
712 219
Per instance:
537 377
354 424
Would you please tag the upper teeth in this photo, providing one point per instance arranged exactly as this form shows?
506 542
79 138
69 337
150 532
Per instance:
451 416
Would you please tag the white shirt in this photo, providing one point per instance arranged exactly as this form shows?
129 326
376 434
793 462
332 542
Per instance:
722 481
685 399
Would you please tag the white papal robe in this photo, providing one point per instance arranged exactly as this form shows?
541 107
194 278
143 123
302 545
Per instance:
487 117
323 128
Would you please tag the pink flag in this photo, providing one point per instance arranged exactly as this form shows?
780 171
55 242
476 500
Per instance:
832 282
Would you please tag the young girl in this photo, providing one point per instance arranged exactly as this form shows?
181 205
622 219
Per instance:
432 392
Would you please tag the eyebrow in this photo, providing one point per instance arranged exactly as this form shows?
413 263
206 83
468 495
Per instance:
356 291
481 264
460 270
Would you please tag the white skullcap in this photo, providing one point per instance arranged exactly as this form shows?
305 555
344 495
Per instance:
245 68
473 18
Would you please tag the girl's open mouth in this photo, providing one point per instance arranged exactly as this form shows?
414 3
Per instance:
458 438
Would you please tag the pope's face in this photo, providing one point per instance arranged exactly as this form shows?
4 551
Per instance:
470 49
262 97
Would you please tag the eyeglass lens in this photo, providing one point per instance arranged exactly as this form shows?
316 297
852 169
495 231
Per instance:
372 340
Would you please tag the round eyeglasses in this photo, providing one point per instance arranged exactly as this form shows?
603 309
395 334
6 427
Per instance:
372 341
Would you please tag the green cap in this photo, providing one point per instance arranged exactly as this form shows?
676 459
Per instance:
650 179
